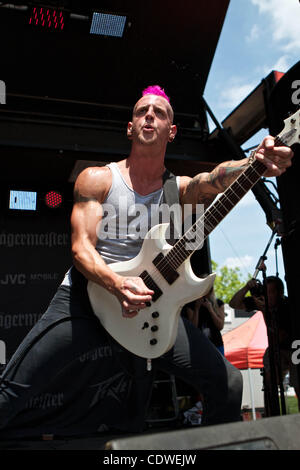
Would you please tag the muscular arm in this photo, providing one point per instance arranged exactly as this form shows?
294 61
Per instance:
204 187
90 190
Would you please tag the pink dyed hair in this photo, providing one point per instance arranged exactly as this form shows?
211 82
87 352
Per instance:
155 90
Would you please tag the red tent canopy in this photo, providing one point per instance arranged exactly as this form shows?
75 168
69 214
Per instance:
245 345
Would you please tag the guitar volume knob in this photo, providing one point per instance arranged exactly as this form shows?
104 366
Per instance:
155 315
153 341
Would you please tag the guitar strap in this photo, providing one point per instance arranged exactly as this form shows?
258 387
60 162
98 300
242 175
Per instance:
171 198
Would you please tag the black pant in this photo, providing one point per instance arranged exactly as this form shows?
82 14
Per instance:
69 377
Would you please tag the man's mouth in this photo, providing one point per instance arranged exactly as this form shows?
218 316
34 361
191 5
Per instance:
148 127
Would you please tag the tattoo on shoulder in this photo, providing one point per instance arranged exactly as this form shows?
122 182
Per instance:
80 198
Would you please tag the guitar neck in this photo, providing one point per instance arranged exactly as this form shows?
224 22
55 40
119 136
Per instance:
230 198
218 210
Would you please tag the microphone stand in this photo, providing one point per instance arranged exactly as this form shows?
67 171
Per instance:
274 358
277 352
271 388
263 257
277 243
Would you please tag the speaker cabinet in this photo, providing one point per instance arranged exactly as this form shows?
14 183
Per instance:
276 433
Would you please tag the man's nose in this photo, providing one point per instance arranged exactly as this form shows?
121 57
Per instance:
150 113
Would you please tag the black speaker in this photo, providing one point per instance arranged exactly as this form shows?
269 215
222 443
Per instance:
284 100
276 433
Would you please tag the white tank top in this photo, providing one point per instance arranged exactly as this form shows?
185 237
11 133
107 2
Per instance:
126 213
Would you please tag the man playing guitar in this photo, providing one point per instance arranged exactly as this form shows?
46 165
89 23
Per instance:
192 358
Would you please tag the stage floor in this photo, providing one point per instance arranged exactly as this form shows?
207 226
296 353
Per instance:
93 442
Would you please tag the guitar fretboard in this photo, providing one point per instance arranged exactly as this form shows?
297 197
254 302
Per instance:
214 214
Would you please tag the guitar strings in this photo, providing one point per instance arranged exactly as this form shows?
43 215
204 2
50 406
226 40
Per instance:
258 168
255 169
178 249
216 211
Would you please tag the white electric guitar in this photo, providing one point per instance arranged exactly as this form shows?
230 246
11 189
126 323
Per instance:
166 269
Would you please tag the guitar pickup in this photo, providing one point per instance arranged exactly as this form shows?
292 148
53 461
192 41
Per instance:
151 284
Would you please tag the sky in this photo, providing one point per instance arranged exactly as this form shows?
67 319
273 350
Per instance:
258 36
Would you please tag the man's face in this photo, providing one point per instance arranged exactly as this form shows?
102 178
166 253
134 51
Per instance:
152 121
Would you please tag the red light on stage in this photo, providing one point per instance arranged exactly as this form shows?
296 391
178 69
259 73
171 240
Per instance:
49 19
53 199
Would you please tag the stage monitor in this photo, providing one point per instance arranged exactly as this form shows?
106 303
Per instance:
107 25
22 200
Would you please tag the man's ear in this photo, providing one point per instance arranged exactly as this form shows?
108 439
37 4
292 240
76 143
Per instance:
172 133
129 130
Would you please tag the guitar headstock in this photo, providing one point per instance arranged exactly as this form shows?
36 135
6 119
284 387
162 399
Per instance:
291 132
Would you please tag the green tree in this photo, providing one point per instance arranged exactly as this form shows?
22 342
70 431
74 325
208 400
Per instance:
228 281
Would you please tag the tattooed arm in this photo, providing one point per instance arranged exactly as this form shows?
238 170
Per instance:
91 188
204 187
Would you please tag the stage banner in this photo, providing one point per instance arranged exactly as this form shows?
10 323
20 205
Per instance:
35 254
